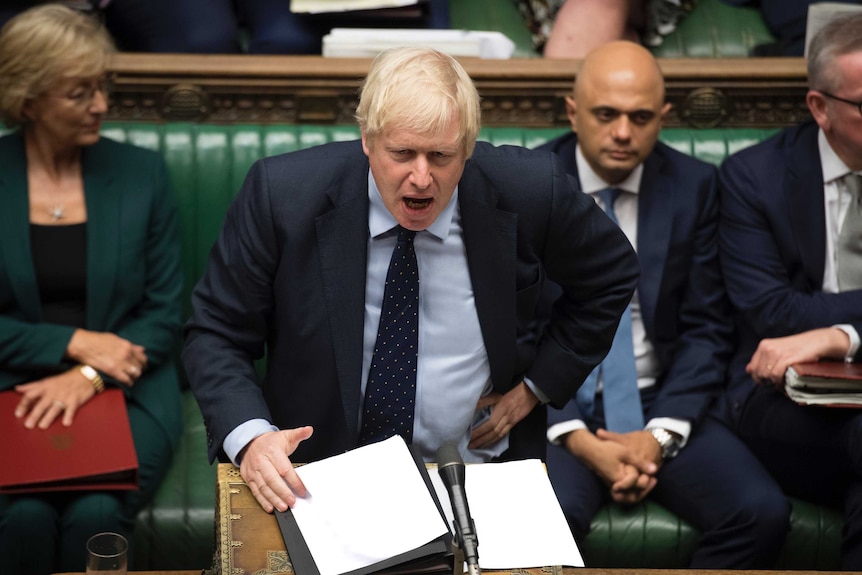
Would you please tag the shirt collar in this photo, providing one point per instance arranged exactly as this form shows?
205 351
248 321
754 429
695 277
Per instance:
591 182
833 166
381 220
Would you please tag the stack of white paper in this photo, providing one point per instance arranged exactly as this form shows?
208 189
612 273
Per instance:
322 6
518 519
371 503
368 42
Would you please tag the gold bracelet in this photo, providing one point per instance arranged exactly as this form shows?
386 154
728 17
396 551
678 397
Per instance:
94 377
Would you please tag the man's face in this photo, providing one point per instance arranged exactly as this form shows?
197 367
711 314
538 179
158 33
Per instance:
416 173
841 122
617 117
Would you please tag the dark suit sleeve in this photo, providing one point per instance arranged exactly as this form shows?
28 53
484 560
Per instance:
759 282
596 267
695 354
231 305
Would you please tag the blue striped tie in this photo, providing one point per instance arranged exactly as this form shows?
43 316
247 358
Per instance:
620 395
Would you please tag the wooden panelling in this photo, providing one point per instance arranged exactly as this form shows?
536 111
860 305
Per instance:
746 92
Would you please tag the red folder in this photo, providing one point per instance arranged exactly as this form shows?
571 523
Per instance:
829 375
95 453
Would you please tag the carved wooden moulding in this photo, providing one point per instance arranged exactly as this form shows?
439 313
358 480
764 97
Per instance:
518 93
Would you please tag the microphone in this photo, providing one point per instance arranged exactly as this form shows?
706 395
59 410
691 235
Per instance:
451 469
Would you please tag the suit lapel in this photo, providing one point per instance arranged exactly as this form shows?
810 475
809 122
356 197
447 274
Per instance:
654 223
490 239
803 192
342 241
655 219
103 200
15 251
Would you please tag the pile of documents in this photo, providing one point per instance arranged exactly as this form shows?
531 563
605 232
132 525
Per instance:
379 507
368 42
833 383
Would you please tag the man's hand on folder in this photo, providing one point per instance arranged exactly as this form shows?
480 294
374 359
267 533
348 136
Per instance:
773 356
266 468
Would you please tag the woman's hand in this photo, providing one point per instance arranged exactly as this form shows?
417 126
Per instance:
108 354
45 400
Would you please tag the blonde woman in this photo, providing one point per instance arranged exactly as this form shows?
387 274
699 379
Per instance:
90 278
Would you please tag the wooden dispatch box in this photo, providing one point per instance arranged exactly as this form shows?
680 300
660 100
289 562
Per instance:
248 540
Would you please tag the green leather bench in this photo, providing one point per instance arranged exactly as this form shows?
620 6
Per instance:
711 30
207 164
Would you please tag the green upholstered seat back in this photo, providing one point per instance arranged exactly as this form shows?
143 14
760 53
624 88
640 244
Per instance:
712 29
207 163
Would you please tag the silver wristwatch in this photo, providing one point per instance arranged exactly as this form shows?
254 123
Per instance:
669 442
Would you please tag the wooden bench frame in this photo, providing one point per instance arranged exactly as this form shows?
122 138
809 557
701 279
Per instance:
227 89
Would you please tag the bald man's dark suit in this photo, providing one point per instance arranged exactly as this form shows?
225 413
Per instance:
715 483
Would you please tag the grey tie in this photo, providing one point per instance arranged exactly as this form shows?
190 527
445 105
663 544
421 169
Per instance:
849 248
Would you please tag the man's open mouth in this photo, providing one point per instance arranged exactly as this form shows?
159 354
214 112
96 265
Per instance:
417 203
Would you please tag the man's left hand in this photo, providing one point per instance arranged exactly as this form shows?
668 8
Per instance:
641 442
506 411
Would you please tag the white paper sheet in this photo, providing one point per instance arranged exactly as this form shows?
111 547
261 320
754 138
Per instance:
365 506
322 6
518 519
368 42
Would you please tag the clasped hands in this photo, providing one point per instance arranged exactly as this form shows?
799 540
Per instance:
266 468
626 462
44 400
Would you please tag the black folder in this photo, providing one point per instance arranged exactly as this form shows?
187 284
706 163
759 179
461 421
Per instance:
433 557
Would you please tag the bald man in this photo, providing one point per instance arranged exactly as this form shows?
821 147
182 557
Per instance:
681 332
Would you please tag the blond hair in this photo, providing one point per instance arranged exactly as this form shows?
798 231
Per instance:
44 45
420 90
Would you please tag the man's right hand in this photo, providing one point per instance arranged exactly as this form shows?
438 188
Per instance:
774 355
629 476
266 468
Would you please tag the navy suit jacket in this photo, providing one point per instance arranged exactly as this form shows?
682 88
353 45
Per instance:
773 247
288 275
683 302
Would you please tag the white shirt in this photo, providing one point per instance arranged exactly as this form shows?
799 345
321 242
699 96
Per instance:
646 361
452 370
836 198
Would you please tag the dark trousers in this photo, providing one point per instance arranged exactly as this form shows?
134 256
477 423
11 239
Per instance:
47 533
715 484
815 453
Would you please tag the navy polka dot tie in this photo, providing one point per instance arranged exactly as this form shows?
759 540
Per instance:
390 393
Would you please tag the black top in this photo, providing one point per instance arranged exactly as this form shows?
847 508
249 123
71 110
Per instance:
60 262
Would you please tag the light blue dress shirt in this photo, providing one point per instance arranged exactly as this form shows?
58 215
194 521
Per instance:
453 369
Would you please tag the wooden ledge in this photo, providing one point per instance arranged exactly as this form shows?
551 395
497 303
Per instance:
749 92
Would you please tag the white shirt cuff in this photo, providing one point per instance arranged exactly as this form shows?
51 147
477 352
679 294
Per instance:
679 426
558 430
543 399
854 340
242 434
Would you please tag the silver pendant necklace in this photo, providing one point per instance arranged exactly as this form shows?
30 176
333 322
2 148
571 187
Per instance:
58 212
